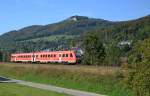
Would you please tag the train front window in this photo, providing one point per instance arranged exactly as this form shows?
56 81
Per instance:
71 55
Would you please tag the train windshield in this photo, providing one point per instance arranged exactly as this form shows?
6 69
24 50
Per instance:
78 52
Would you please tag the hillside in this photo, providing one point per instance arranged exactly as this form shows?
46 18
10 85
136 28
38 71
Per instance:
62 34
74 25
51 35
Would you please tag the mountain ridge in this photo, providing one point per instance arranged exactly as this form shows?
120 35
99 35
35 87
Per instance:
55 28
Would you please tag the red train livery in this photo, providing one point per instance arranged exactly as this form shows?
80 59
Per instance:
45 57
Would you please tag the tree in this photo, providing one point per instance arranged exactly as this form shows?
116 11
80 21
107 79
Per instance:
139 75
94 49
1 56
113 53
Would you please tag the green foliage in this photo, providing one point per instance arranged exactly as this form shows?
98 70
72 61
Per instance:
143 49
1 56
113 54
94 49
139 77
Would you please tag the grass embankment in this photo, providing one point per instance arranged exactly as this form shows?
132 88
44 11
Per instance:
88 78
7 89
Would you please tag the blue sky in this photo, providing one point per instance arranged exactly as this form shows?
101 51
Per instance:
16 14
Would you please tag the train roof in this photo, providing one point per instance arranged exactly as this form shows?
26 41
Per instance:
42 52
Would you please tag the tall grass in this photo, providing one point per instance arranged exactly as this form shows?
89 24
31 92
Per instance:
99 80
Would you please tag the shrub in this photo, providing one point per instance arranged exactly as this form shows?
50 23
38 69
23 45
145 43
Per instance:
139 74
141 79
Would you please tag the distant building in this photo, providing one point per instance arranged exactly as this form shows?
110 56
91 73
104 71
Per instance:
124 43
73 18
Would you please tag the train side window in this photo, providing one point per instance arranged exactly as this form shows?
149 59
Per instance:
63 55
71 55
59 55
49 55
54 55
36 56
66 55
41 56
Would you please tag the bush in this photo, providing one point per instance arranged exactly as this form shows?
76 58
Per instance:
139 74
94 49
141 79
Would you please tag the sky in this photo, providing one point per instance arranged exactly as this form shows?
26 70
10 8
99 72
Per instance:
16 14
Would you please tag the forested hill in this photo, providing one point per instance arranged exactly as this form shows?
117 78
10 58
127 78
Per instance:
74 25
69 31
52 36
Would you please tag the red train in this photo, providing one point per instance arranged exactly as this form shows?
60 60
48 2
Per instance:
46 57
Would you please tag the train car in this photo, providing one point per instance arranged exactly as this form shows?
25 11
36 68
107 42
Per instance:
46 57
22 57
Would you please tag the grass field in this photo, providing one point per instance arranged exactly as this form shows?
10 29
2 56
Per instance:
7 89
101 80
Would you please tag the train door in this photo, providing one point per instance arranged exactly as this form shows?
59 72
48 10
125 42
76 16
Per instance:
60 57
34 57
15 58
